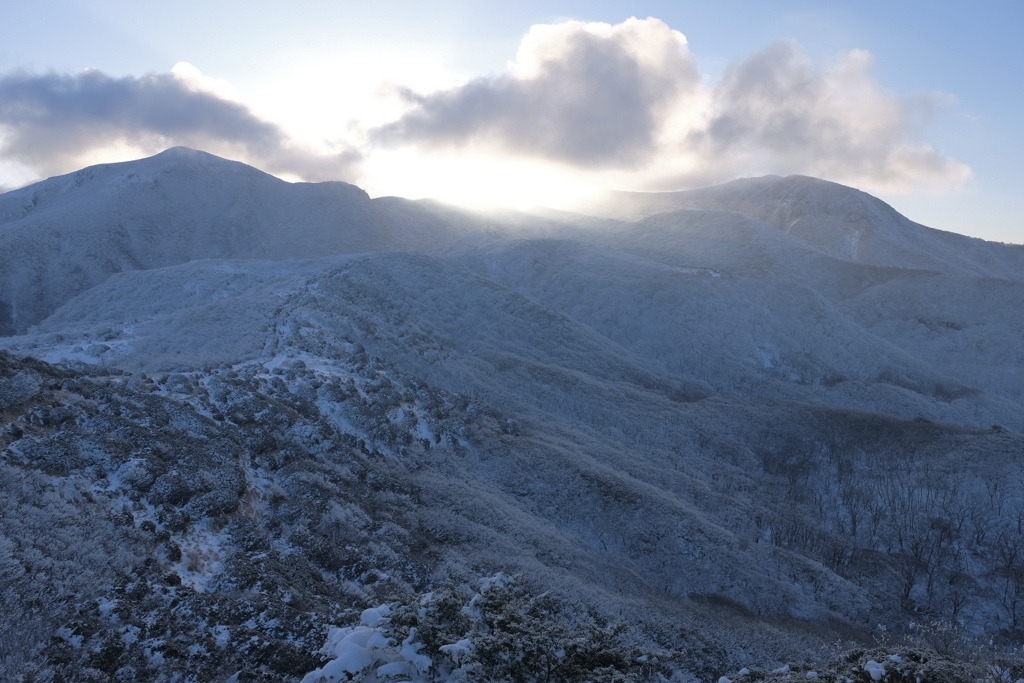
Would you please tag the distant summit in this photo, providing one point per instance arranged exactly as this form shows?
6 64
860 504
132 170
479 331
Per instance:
841 221
63 235
66 234
180 151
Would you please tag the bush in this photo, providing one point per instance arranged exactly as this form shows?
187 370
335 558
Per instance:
504 632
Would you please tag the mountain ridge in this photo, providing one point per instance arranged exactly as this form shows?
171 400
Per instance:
254 215
167 209
279 406
806 207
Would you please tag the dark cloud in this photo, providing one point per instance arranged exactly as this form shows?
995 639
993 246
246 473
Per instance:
584 94
50 121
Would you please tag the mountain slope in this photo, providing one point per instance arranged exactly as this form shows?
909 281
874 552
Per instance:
718 441
66 234
744 332
839 220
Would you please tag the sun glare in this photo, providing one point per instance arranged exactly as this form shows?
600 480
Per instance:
13 173
479 182
316 98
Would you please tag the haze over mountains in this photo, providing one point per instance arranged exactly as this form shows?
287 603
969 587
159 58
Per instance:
728 415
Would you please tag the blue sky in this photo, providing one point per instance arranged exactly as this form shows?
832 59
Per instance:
916 102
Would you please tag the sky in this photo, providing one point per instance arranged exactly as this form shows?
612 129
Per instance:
531 102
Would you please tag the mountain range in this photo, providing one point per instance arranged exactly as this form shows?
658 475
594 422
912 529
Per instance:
732 426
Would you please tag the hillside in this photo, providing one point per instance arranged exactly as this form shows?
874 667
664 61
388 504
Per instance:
840 221
66 234
689 420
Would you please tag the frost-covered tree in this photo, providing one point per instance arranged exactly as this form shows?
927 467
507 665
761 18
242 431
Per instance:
505 632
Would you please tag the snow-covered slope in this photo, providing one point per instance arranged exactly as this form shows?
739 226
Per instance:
66 234
715 423
546 307
841 221
970 327
752 333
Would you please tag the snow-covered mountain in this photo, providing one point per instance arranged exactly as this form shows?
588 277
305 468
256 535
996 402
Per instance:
66 234
839 220
744 422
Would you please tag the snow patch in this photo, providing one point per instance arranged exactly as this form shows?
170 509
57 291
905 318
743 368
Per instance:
875 669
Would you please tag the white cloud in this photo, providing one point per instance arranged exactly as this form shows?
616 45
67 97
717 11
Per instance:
617 105
197 81
54 123
583 94
628 100
777 112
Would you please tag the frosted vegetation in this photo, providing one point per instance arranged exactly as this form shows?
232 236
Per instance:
278 431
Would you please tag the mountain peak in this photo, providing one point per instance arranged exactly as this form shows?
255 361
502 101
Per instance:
180 151
179 205
186 156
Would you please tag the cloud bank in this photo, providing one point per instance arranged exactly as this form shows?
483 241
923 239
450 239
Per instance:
50 122
583 94
630 97
621 104
776 112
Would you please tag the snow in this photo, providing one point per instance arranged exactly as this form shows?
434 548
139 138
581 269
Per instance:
106 605
622 349
459 650
353 649
73 639
203 552
373 616
170 209
874 669
221 635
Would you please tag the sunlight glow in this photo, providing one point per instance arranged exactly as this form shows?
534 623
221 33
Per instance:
474 181
117 151
317 98
13 173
